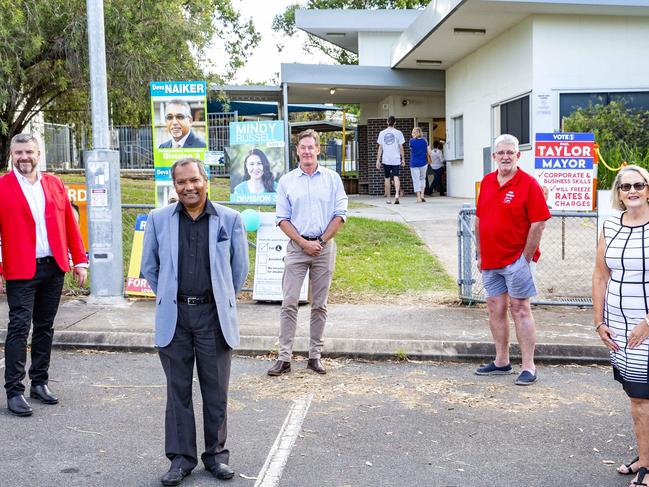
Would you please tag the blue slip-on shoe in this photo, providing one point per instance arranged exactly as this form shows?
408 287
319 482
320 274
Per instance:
526 378
493 369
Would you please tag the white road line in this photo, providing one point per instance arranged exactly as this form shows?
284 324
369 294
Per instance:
271 473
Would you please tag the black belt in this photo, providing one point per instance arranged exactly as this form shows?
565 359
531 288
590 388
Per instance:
194 300
45 260
313 239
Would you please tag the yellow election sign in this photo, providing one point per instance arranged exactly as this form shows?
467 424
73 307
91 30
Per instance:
136 285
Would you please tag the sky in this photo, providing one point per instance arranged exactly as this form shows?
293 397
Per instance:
264 64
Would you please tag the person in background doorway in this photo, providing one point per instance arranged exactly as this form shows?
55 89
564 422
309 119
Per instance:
418 163
390 155
437 164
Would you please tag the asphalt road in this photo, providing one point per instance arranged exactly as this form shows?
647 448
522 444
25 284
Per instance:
363 424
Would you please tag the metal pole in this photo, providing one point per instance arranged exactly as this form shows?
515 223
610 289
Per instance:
102 176
344 170
98 84
287 128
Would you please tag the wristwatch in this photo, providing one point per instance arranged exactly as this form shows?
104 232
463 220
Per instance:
322 242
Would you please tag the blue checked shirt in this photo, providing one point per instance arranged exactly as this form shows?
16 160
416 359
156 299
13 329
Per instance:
310 202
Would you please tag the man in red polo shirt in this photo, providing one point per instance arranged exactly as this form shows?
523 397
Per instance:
510 219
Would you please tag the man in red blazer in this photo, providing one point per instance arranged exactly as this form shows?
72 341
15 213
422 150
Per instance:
38 229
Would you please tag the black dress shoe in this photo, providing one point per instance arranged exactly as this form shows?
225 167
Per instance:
279 368
19 406
222 471
174 476
43 394
315 365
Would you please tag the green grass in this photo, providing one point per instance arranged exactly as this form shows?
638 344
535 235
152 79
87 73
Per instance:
385 258
375 259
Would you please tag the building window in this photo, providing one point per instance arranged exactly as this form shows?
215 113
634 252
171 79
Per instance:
458 137
569 102
515 119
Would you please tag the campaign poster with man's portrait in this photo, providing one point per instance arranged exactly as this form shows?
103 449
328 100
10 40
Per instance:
256 155
179 121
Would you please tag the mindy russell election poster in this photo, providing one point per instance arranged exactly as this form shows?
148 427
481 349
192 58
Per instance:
256 156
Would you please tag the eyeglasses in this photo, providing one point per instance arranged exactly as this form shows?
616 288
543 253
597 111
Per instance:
626 187
178 116
501 153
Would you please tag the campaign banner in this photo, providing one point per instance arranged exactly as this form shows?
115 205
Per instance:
256 156
564 167
136 285
269 262
179 123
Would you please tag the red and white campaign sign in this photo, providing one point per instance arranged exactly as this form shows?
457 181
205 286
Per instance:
564 167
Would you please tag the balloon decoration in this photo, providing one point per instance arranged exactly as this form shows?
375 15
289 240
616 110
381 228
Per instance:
250 219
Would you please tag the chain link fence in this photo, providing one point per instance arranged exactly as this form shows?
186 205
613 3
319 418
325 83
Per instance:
563 273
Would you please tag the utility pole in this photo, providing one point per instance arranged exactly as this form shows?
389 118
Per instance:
102 175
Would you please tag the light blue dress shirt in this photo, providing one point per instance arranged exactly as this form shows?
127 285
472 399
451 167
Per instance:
311 202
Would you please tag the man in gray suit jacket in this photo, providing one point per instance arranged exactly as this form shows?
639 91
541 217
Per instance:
195 258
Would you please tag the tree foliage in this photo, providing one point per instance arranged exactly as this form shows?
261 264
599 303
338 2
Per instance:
44 55
285 22
621 132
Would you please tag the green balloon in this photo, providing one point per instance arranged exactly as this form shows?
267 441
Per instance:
250 219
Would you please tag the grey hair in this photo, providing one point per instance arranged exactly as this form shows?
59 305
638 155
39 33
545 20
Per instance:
506 139
24 139
182 103
185 161
616 202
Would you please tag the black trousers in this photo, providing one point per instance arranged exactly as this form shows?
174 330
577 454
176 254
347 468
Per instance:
30 300
198 337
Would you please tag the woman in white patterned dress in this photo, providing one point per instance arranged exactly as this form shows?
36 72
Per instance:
621 302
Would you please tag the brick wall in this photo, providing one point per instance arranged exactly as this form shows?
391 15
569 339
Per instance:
363 173
371 179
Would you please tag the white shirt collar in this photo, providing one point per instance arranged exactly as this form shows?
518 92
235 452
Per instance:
22 179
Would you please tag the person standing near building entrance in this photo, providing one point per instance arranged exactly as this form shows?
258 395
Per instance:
38 229
311 208
437 163
510 219
418 163
390 155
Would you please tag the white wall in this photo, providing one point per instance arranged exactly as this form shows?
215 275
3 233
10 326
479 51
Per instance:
418 106
586 53
375 48
496 72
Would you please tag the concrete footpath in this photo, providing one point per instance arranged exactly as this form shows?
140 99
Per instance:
565 334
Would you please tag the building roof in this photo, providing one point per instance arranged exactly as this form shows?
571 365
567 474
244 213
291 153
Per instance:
341 27
446 31
356 84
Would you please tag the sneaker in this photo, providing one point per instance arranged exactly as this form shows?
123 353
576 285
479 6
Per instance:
526 378
493 369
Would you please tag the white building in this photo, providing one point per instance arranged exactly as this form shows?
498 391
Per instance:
468 70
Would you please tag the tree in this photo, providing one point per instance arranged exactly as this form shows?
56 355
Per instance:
44 55
621 132
285 22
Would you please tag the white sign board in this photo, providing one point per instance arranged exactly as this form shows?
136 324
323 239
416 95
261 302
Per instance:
269 262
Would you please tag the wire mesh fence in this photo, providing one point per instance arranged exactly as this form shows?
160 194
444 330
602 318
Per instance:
563 273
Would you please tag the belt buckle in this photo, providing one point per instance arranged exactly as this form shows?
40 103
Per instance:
193 300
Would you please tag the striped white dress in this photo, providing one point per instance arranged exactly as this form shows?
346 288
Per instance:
627 301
